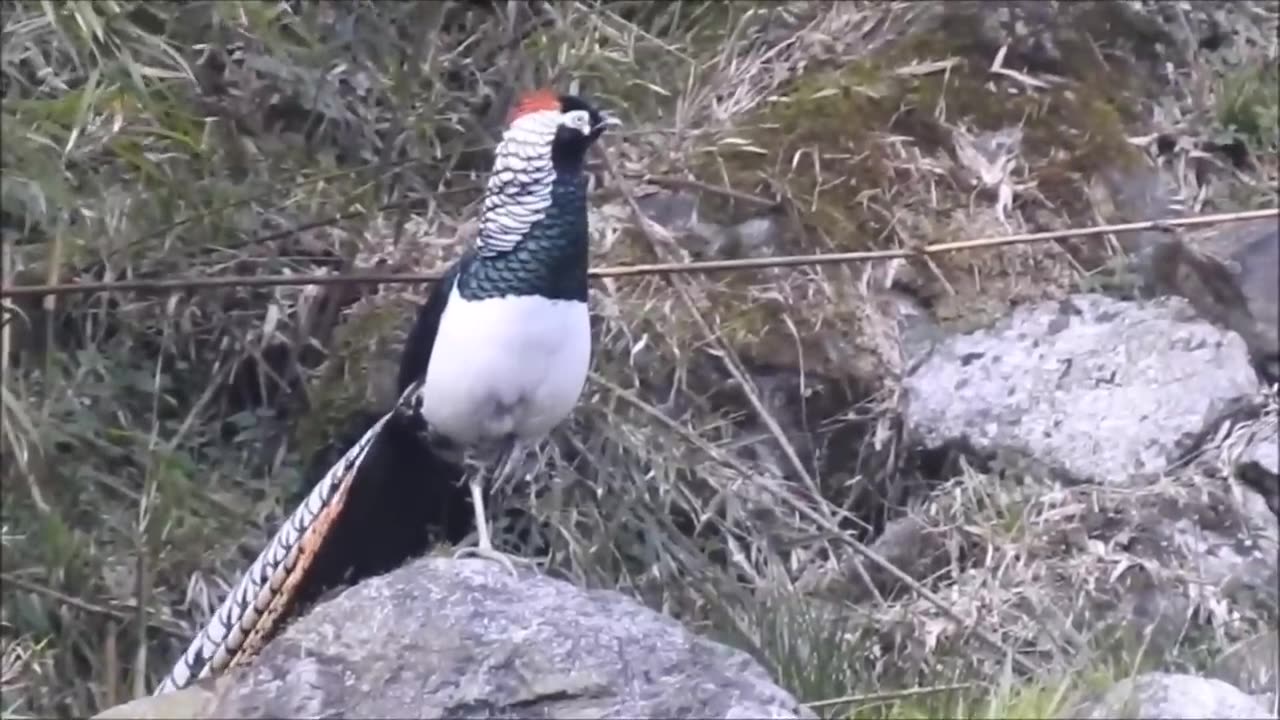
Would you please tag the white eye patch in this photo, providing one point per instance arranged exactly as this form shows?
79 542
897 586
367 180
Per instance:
578 120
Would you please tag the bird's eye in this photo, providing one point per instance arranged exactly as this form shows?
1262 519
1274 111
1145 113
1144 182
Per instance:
578 120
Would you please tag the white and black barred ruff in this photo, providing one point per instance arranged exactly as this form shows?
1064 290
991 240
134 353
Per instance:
519 190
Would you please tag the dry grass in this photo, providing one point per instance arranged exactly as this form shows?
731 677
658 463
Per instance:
151 444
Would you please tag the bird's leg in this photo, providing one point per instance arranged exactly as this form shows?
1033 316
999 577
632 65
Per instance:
484 542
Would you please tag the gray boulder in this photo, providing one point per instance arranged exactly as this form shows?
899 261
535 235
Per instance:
1169 696
1248 255
1093 388
446 638
1252 665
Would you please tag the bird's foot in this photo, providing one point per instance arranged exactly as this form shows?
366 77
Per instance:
487 552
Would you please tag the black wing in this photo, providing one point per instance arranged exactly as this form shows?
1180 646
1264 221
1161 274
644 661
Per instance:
422 338
405 497
388 498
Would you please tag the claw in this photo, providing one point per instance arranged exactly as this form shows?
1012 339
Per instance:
488 553
484 543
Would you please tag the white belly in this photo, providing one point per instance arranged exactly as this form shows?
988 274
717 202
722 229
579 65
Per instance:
506 366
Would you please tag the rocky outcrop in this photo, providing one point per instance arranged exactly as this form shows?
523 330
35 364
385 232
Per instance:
1090 387
1169 696
444 638
1231 277
1096 463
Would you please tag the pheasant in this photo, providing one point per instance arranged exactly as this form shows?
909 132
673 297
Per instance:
497 357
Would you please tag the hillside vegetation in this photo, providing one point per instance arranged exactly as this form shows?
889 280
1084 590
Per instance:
152 441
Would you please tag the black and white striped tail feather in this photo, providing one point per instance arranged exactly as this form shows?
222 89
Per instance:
216 645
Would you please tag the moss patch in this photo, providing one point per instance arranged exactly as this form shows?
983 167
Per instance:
830 139
866 154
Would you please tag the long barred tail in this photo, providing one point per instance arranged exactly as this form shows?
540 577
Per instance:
244 621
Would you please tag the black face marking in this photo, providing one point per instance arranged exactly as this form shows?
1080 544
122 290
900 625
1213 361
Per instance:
569 148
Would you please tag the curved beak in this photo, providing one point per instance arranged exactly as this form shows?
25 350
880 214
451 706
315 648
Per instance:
607 120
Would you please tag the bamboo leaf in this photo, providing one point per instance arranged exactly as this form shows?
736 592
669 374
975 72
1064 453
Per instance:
88 94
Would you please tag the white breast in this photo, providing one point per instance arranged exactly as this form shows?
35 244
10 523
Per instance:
502 366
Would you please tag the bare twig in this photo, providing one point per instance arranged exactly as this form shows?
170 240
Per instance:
674 181
20 444
85 605
665 268
319 179
880 697
427 16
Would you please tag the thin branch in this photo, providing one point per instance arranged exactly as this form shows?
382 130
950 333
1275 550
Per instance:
85 605
205 213
887 695
680 182
665 268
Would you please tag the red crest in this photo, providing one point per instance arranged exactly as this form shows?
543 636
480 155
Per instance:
533 101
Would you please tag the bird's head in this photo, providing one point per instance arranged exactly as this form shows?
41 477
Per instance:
562 126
